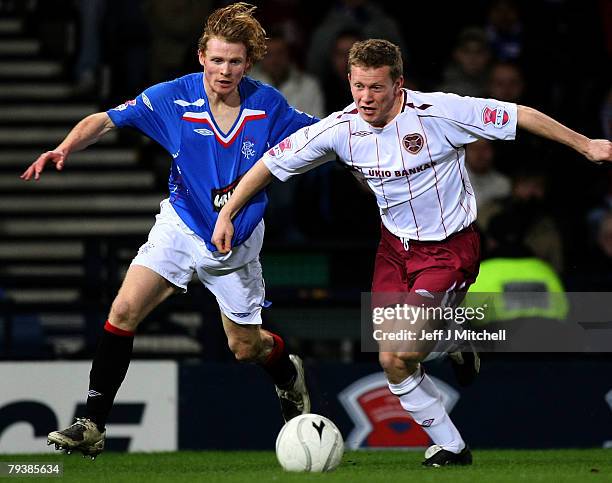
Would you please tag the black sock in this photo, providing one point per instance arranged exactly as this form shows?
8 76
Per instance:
278 365
108 370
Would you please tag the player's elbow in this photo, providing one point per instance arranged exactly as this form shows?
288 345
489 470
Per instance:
525 115
100 122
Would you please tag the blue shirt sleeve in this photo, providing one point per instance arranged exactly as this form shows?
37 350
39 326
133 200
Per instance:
287 120
152 113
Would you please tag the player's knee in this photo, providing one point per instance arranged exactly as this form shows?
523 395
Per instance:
411 357
245 350
391 362
124 315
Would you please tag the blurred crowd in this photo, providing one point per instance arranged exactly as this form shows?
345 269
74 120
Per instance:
554 55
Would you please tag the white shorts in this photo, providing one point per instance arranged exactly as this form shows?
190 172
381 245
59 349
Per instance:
175 252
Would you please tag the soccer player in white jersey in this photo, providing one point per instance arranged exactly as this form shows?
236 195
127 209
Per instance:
215 124
410 148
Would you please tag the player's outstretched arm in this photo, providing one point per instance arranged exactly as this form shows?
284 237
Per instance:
256 179
532 120
86 132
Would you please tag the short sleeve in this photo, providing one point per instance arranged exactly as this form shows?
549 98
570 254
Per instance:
287 119
304 149
463 120
153 114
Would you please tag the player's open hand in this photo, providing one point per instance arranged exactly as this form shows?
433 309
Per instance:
57 157
223 233
599 151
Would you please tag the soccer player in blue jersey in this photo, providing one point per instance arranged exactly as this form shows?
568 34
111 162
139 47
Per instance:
215 124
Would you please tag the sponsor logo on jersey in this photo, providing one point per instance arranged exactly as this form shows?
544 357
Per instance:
204 132
278 150
146 100
248 149
221 196
413 143
385 173
380 421
361 133
124 106
198 103
498 116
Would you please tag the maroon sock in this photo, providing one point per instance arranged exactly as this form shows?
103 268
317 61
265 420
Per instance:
278 365
108 370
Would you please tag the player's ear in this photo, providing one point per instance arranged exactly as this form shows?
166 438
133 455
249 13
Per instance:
399 83
201 57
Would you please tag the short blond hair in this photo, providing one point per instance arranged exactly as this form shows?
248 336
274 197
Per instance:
374 53
236 23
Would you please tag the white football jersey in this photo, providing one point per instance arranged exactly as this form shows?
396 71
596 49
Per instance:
415 165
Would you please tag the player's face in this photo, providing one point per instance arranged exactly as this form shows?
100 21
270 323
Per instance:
377 96
225 63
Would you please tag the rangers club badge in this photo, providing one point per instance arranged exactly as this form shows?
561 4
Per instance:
248 149
498 116
413 143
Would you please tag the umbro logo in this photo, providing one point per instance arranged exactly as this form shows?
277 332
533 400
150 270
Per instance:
242 315
204 132
427 423
361 133
147 101
198 103
92 393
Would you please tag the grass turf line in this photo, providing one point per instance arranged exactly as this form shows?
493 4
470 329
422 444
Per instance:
581 465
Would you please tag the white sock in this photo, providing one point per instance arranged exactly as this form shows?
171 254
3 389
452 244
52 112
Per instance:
420 397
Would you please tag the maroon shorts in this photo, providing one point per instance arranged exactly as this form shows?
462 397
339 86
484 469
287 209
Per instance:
429 271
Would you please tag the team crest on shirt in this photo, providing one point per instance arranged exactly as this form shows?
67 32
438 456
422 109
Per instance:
413 143
498 116
125 105
248 149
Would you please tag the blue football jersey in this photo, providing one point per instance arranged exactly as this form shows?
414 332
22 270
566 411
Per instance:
207 163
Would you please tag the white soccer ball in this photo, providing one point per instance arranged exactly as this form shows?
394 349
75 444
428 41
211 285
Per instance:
309 443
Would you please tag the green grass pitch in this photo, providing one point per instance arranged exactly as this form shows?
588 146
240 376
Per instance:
530 466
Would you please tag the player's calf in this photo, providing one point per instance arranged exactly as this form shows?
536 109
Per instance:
287 372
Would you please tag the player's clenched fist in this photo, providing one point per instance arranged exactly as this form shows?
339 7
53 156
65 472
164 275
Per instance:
223 233
599 150
57 157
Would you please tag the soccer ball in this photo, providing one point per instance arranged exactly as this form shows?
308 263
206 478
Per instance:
309 443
